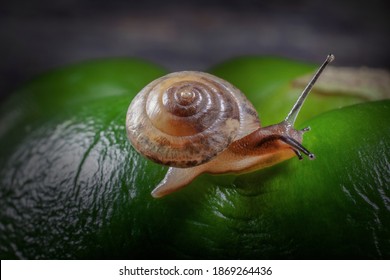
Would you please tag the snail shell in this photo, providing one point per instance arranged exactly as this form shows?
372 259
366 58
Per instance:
185 119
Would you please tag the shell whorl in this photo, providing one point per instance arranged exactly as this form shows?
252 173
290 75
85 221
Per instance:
186 118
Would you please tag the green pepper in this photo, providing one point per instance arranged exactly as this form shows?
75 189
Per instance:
72 187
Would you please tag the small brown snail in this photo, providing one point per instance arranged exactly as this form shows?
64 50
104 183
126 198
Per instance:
197 123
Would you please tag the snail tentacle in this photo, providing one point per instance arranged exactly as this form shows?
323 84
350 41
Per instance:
296 146
298 153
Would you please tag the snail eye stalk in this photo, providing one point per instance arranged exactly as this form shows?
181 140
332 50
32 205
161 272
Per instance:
291 117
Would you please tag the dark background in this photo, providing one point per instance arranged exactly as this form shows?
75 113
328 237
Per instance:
187 35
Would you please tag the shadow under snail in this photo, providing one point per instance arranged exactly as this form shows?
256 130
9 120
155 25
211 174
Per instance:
197 123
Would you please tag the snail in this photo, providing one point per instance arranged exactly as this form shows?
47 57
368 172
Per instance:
197 123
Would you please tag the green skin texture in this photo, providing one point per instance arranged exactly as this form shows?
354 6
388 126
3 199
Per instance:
72 187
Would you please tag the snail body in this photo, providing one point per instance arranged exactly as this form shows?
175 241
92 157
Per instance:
197 123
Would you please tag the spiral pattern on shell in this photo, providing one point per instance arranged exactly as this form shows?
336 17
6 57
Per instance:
186 118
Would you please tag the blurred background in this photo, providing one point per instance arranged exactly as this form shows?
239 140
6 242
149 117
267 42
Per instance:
39 35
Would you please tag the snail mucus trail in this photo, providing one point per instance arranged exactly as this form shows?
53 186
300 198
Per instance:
197 123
